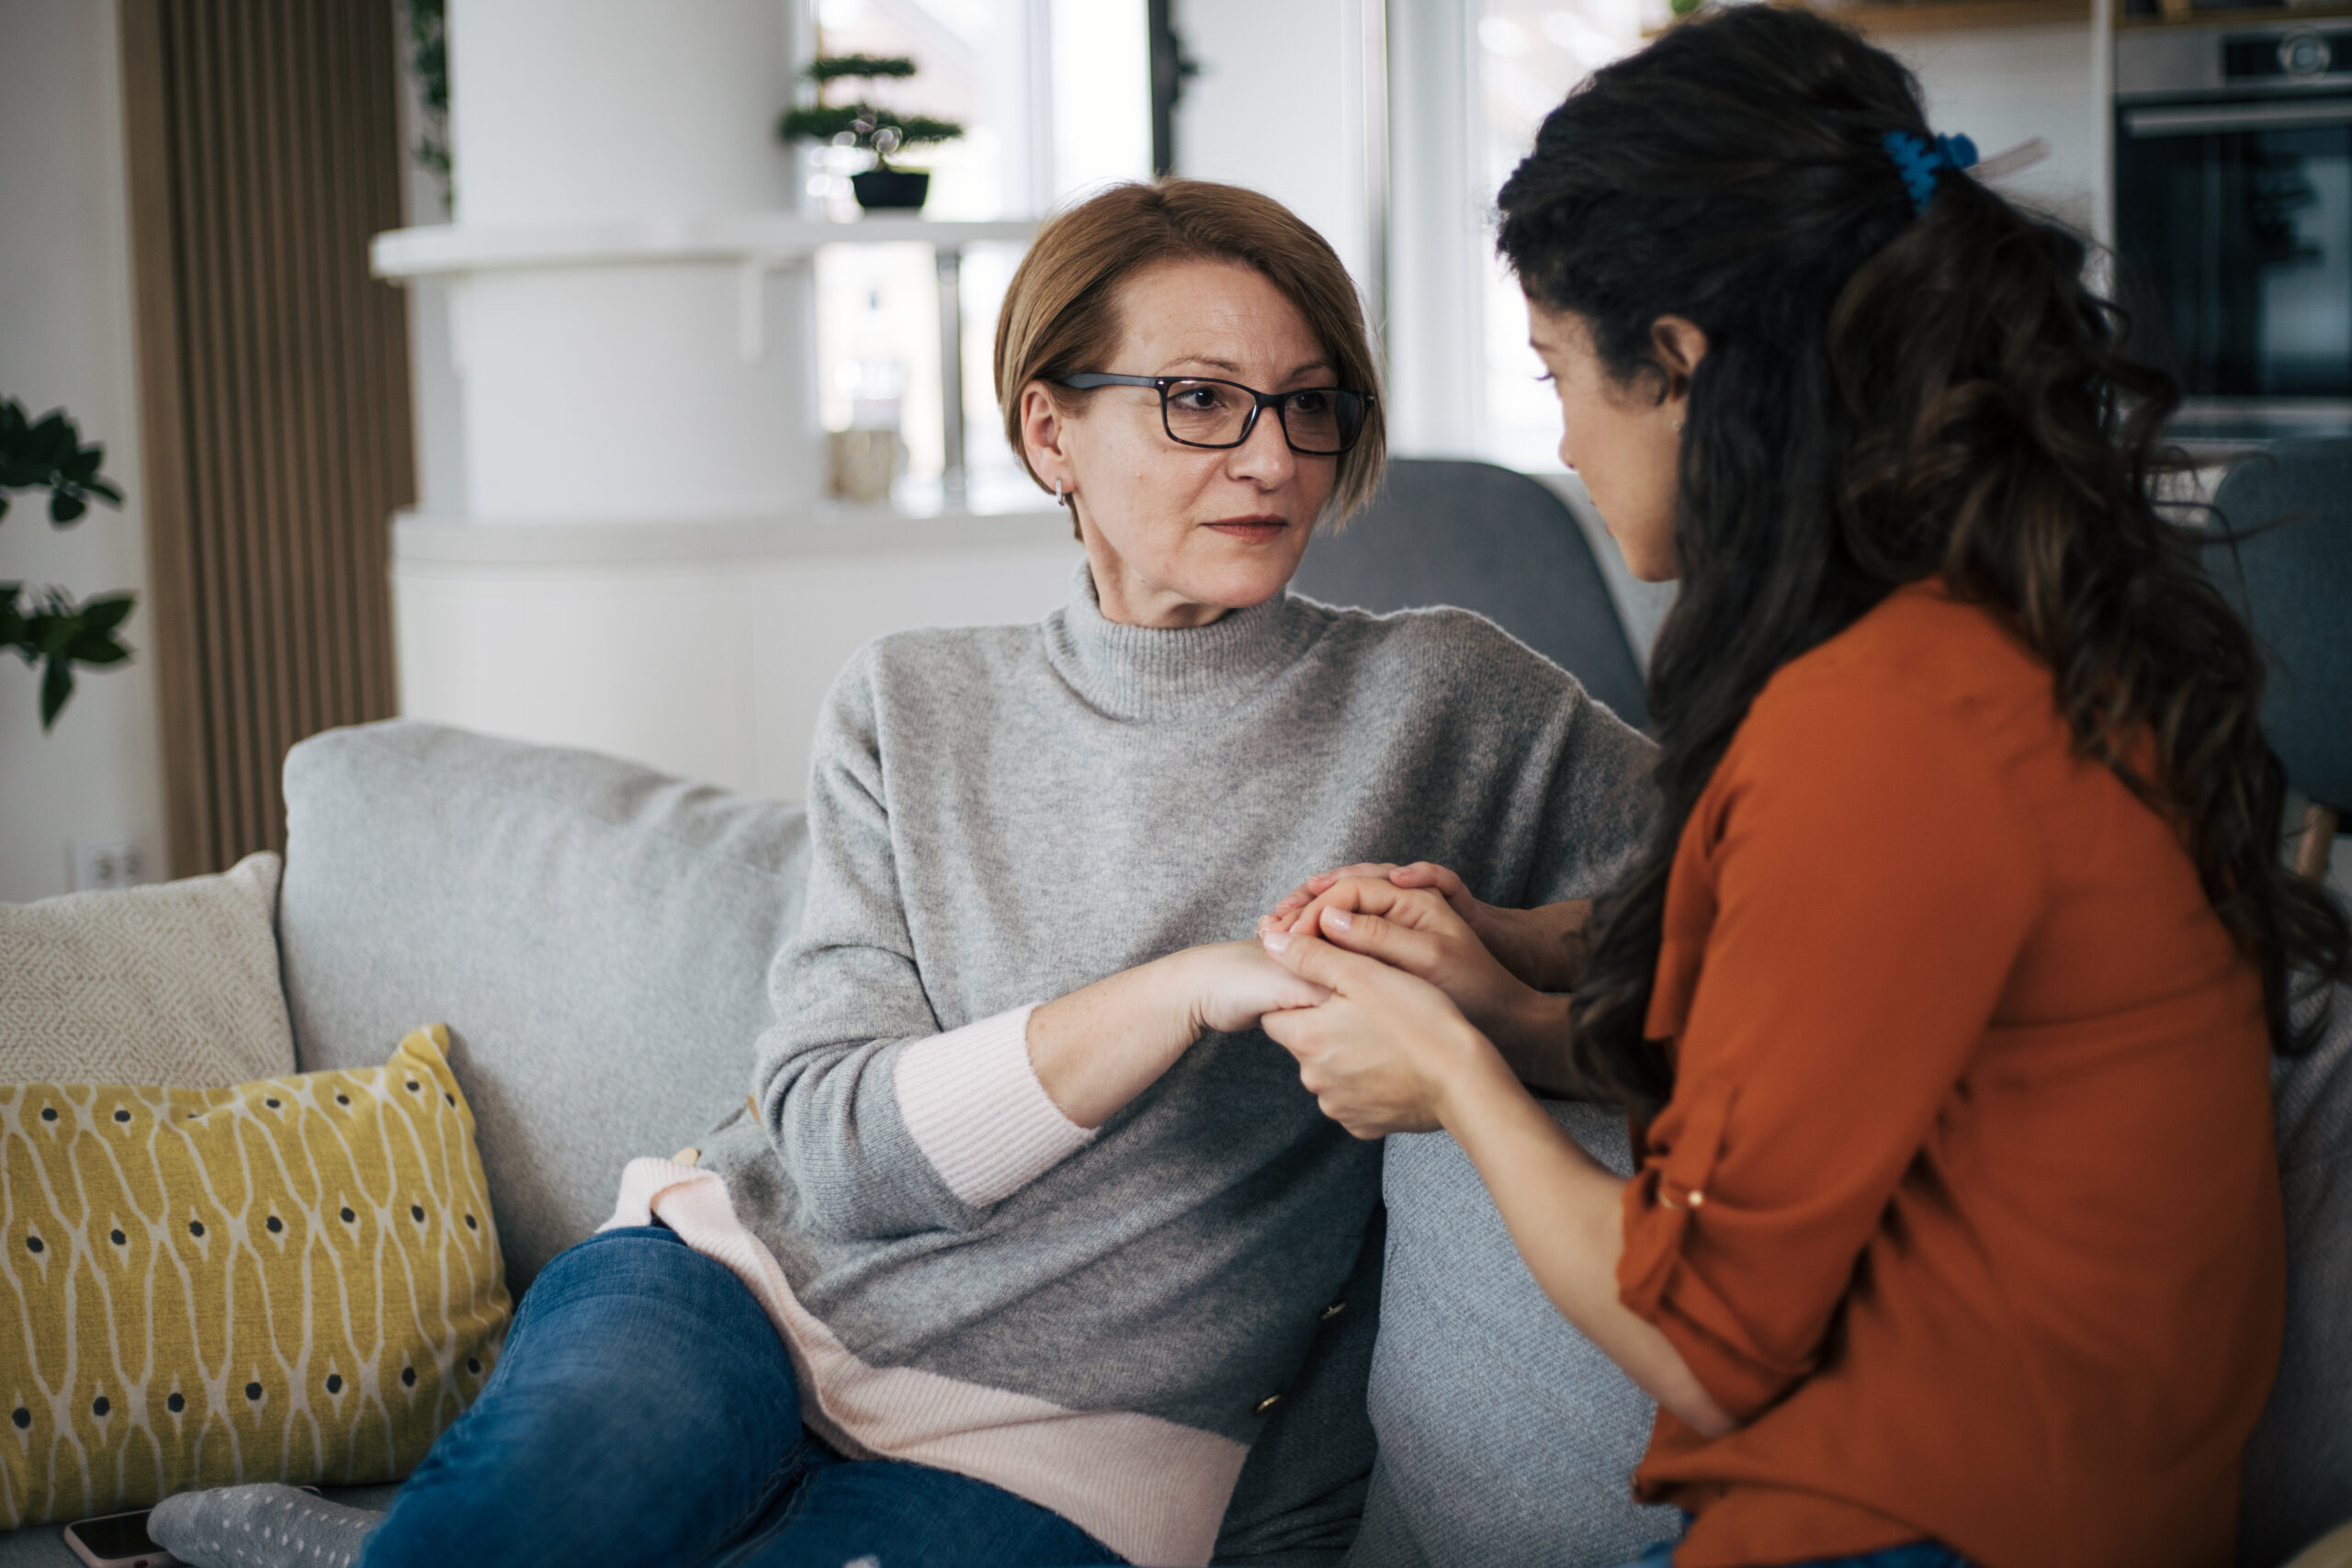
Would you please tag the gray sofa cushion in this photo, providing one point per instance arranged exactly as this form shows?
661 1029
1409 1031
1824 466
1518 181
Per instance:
2299 1465
595 935
1505 1437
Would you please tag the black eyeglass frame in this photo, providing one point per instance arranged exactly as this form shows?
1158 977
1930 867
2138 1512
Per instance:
1088 380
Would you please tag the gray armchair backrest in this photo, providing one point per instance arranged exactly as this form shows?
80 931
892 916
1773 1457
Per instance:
2299 1465
1488 539
2289 513
596 936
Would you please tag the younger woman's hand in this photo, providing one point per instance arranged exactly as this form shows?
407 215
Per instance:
1386 1052
1285 913
1416 929
1420 874
1543 947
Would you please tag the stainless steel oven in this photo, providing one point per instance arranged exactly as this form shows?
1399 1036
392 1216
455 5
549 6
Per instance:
2233 209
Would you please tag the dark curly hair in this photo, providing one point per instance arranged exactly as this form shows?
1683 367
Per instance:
1886 396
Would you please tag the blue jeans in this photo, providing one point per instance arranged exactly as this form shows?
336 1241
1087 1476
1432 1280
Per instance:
644 1411
1910 1554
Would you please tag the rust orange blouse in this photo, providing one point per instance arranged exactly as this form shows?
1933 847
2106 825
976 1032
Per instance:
1965 1204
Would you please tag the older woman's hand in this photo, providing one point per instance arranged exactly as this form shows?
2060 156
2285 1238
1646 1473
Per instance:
1231 985
1543 947
1100 1047
1386 1052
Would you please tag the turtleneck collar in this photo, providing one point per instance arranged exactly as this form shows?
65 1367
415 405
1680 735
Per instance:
1148 672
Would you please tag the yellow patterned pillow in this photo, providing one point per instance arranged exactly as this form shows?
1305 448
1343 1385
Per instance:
294 1279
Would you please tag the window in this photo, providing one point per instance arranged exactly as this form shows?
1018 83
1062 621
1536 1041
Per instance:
1530 54
1053 95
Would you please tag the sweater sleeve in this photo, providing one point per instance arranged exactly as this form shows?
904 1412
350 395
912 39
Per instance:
1600 802
885 1125
1871 881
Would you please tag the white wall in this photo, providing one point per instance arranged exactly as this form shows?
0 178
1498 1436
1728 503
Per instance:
1282 106
1436 234
66 339
1100 116
2006 86
508 629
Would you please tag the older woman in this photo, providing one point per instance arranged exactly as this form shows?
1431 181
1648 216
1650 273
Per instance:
1032 1225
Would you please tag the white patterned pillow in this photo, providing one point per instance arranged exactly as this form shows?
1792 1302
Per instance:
176 983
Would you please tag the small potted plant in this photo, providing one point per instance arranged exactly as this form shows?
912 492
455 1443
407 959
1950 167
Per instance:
880 131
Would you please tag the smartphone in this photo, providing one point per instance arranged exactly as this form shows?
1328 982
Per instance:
116 1540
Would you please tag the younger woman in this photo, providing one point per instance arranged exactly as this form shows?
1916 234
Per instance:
1945 991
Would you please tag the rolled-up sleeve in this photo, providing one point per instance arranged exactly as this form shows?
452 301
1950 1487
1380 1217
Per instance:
1864 878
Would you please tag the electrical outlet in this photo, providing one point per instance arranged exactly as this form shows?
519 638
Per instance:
107 861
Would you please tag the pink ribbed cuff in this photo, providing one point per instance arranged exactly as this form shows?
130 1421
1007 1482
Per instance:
977 1109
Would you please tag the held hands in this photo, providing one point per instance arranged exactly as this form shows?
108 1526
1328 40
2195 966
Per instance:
1388 1052
1543 948
1422 931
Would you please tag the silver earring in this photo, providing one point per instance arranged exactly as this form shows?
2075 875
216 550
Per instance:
1058 495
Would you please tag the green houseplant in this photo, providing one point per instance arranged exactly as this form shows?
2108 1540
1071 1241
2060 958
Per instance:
868 127
43 625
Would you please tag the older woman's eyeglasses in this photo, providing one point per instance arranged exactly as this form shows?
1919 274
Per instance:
1198 410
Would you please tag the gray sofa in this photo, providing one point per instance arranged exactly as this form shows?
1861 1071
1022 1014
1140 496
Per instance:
597 935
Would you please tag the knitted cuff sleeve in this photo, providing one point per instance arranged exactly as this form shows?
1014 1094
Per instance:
976 1109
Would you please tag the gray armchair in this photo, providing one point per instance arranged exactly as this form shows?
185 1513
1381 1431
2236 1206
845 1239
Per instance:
2286 561
1491 540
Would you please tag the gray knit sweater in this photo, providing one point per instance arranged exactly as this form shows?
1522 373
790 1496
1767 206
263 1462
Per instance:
1001 815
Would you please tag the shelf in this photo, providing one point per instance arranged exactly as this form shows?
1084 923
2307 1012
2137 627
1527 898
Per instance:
2250 16
826 530
754 244
1879 17
1883 17
760 239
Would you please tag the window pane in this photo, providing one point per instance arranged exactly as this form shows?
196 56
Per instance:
971 59
1530 53
878 344
1102 100
994 478
1055 98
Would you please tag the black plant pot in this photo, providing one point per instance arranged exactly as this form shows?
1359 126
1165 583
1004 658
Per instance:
891 189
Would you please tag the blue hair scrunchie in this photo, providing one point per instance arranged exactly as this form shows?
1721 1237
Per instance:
1918 163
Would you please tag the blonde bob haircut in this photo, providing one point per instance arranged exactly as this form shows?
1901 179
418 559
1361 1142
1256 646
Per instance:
1061 310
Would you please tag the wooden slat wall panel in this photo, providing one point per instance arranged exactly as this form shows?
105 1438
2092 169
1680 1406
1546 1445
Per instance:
264 150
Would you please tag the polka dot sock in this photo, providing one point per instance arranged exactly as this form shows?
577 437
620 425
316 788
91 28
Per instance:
260 1526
